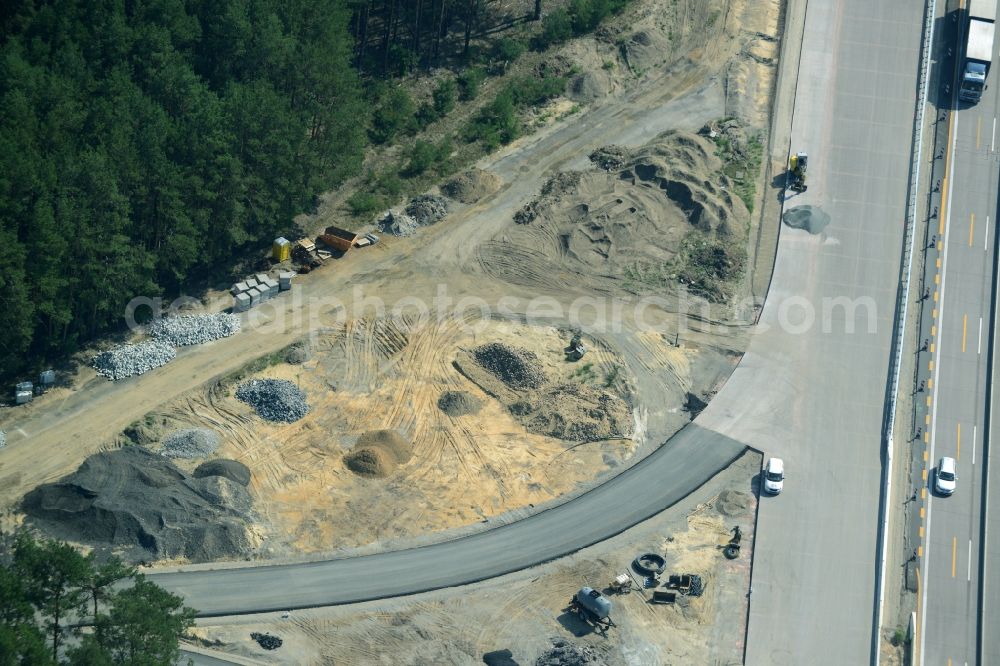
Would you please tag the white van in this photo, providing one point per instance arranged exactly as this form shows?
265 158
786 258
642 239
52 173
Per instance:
774 476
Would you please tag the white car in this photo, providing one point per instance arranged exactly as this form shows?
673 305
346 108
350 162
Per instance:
774 476
945 480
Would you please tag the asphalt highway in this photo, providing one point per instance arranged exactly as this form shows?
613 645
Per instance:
960 279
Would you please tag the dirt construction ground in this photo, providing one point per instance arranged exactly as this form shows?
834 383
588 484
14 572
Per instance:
644 250
525 612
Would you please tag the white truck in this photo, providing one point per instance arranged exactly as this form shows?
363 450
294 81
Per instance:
979 37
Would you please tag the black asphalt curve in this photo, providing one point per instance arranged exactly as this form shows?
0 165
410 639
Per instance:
666 476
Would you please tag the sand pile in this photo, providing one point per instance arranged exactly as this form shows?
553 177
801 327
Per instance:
377 453
140 501
471 186
459 403
518 368
732 503
667 215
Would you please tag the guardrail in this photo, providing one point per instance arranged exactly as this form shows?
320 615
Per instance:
902 309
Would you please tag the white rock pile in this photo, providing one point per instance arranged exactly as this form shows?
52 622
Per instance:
195 329
397 224
274 399
190 443
130 360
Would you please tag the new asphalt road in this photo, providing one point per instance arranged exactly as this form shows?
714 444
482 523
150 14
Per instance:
810 389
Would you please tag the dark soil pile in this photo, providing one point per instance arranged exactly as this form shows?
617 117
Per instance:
516 367
230 469
377 453
610 158
141 501
459 403
471 186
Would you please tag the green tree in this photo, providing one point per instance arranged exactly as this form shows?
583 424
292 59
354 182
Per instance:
422 157
144 624
54 574
394 115
469 82
444 97
21 642
101 577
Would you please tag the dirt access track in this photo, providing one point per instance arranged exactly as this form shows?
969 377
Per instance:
52 437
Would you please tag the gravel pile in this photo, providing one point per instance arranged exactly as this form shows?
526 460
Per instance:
610 158
427 209
398 224
274 399
266 641
190 443
518 368
195 329
130 360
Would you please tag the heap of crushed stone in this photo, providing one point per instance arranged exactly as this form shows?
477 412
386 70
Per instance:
274 399
190 443
459 403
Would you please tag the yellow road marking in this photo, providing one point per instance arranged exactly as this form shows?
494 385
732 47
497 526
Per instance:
920 551
937 278
954 548
923 493
926 454
965 329
930 383
958 443
934 313
921 531
927 420
972 225
936 297
940 245
933 331
938 262
930 366
932 347
944 179
923 474
927 435
928 401
922 511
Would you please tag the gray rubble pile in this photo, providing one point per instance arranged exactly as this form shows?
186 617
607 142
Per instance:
564 653
130 360
518 368
195 329
427 209
397 224
266 641
274 399
610 158
142 504
190 443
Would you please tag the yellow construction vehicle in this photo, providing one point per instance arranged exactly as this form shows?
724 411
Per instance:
797 172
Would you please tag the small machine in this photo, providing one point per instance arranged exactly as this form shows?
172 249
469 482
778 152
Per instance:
797 172
592 607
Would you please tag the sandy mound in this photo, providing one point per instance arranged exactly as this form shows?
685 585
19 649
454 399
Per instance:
229 469
139 500
458 403
668 215
733 503
471 186
377 453
590 86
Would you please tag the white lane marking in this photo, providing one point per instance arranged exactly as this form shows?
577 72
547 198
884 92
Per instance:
993 141
974 428
986 235
980 335
969 577
937 384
